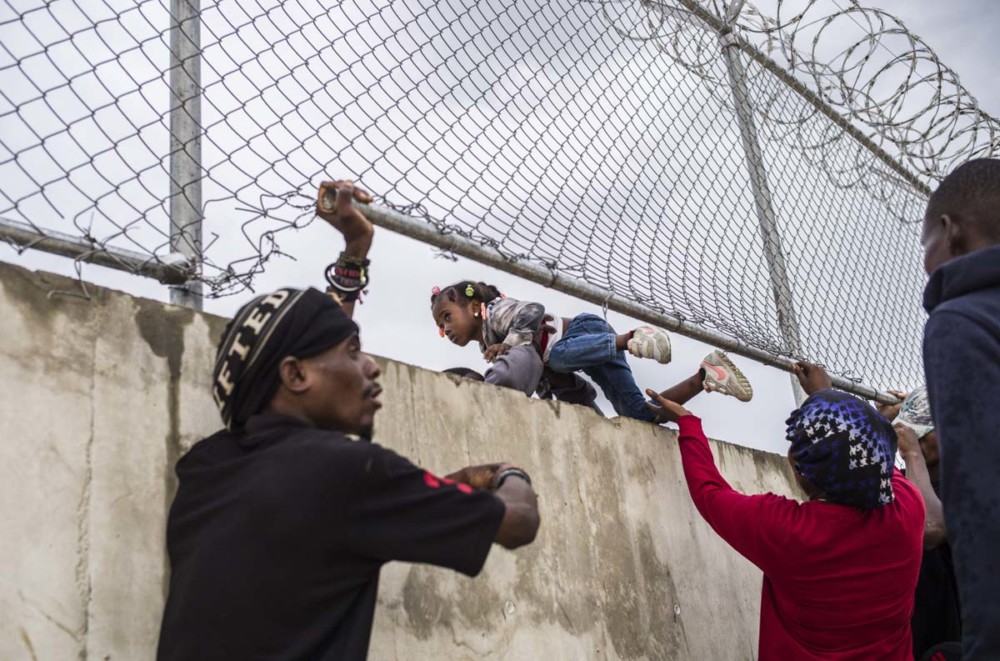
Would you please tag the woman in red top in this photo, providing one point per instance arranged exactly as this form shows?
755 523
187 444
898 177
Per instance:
840 569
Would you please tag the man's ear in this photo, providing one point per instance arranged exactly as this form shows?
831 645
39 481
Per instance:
956 235
293 374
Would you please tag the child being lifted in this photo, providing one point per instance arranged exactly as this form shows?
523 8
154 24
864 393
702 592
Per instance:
521 341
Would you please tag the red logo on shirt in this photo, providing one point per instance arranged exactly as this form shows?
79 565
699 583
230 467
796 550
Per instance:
436 482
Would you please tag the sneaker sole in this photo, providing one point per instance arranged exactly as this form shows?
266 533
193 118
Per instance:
740 379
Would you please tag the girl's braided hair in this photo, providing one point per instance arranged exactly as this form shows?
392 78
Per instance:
465 291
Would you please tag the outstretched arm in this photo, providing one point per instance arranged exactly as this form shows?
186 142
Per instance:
335 204
916 472
740 520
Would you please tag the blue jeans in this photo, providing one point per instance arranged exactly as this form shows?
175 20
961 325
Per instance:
589 346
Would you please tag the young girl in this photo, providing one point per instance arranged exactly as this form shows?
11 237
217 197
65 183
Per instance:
521 341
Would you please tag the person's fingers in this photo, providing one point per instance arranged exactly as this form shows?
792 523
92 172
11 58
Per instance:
362 196
669 408
654 409
345 197
325 196
657 396
461 475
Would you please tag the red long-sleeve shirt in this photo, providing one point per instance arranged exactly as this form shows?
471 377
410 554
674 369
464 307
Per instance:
838 581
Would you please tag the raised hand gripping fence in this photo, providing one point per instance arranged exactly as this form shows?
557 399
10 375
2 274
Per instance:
748 175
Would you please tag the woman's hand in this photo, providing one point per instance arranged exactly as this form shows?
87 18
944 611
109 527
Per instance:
812 377
667 411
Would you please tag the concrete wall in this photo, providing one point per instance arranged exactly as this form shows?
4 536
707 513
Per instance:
101 396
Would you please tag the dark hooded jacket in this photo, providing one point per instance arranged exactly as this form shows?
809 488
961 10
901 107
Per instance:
962 361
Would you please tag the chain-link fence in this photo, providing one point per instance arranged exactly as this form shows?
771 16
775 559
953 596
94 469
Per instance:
749 175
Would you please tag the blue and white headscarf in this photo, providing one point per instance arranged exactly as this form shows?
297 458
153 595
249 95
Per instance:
844 447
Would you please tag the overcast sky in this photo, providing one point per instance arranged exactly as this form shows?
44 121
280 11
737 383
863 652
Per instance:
396 321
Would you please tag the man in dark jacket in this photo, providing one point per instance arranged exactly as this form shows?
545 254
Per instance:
961 239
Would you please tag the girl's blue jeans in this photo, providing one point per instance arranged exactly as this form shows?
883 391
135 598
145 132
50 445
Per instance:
589 347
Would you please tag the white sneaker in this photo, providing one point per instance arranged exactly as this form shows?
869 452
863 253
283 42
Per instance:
648 342
721 375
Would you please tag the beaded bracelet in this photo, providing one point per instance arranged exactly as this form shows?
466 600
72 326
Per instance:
348 277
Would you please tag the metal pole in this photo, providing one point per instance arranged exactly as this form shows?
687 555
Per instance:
421 230
766 218
185 143
173 269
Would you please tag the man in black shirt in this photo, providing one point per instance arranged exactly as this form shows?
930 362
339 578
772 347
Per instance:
283 520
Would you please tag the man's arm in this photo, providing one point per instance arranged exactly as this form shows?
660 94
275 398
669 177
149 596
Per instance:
398 511
521 519
335 205
916 472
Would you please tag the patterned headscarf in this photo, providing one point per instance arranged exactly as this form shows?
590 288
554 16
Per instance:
916 412
288 322
844 447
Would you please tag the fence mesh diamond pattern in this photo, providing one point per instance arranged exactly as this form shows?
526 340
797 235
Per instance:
601 139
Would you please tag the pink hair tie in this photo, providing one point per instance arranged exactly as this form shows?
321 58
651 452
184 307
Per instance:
435 290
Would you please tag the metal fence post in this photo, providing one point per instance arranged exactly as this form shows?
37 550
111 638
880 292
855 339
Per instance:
185 144
767 220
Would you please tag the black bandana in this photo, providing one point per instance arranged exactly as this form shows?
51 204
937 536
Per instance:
288 322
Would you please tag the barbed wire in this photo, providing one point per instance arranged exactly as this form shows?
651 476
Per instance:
598 139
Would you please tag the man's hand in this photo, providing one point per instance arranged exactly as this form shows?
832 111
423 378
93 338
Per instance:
812 378
335 205
909 444
667 411
479 477
495 351
890 411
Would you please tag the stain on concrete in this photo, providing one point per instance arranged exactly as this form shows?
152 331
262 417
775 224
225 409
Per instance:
27 643
429 611
162 327
638 601
37 296
424 608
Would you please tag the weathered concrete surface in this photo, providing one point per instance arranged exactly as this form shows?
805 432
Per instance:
102 396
